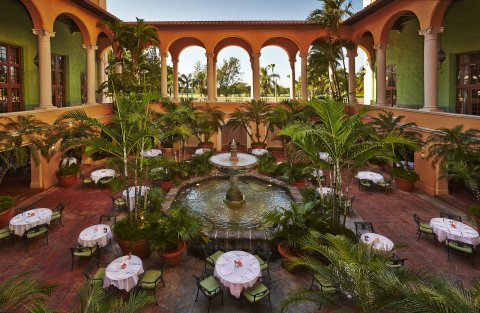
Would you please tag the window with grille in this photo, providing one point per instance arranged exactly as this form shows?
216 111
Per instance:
391 92
58 80
468 83
10 78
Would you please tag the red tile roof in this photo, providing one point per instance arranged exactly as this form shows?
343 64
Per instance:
95 9
369 9
230 23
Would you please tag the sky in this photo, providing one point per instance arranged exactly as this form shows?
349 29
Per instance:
205 10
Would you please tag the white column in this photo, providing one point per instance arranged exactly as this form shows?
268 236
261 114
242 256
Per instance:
304 62
430 68
381 58
44 68
215 78
164 74
292 78
101 76
91 73
255 59
352 83
175 80
210 77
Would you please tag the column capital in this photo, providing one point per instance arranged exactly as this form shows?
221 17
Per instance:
175 61
430 32
210 55
90 47
352 53
380 46
255 55
292 60
43 32
164 55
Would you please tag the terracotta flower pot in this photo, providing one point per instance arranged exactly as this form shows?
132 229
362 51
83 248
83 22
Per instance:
299 184
6 216
166 185
405 185
173 258
258 145
167 151
288 256
206 145
138 247
67 180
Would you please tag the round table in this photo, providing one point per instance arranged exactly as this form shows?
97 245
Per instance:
99 174
123 272
259 151
324 156
201 151
22 222
371 176
323 191
446 228
377 242
134 192
151 153
96 234
237 278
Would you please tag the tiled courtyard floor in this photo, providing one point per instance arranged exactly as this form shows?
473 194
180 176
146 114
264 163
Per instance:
391 214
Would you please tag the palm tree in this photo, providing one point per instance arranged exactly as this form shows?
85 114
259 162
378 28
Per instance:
347 141
208 120
20 291
256 112
265 82
16 139
186 81
273 77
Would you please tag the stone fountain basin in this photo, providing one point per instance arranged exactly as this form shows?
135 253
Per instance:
223 163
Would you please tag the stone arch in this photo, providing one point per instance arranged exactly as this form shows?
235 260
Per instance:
366 42
178 45
391 21
103 42
287 44
438 13
35 15
233 41
86 36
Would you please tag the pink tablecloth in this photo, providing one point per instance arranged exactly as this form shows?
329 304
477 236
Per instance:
237 278
123 278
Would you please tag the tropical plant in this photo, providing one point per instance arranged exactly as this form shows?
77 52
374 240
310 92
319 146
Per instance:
6 203
267 164
68 166
186 81
208 120
200 77
20 139
405 173
21 291
228 75
200 164
345 138
293 172
255 112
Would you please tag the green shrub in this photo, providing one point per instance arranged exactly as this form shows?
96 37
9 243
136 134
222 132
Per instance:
406 174
126 230
6 203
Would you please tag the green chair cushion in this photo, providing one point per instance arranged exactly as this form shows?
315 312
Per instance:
85 252
365 183
212 259
425 228
458 247
393 264
211 285
40 231
4 234
263 264
149 279
120 201
258 288
325 286
384 184
56 215
99 275
87 181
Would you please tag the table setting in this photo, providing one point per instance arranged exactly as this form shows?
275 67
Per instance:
123 272
201 151
371 176
22 222
151 153
237 270
259 152
446 228
134 192
96 234
103 173
377 241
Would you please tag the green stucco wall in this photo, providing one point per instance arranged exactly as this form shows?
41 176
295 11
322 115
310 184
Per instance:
16 29
405 49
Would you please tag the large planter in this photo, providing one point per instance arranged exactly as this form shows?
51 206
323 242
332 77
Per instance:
258 145
167 151
137 247
288 256
67 180
299 184
5 217
173 258
405 185
166 185
206 145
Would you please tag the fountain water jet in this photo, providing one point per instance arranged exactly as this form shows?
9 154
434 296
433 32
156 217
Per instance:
233 163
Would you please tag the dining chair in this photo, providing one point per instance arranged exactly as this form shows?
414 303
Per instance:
263 255
95 276
212 251
6 233
365 184
257 292
22 209
87 181
37 232
118 204
57 214
151 278
423 227
326 287
209 286
451 216
363 227
395 261
460 247
84 252
385 185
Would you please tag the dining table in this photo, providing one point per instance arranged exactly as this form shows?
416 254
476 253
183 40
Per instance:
132 193
123 272
102 173
151 153
377 241
96 234
259 152
237 270
445 228
22 222
371 176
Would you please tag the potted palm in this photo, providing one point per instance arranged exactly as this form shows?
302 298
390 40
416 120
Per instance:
6 212
162 177
294 173
207 122
405 178
68 171
132 237
171 232
267 164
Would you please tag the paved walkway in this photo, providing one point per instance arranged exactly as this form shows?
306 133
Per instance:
391 214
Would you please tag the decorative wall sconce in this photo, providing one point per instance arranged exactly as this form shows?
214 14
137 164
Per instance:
35 60
52 150
442 56
423 153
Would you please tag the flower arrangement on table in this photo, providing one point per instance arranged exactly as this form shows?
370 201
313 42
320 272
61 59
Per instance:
238 263
30 214
453 224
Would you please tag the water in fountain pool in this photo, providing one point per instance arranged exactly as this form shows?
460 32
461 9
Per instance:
207 199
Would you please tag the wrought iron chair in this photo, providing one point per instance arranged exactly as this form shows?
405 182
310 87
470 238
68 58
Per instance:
461 247
212 251
6 233
57 214
24 209
263 255
395 261
151 278
363 227
84 252
209 286
347 204
256 293
451 216
95 277
118 204
385 184
87 181
366 184
424 228
326 287
37 232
